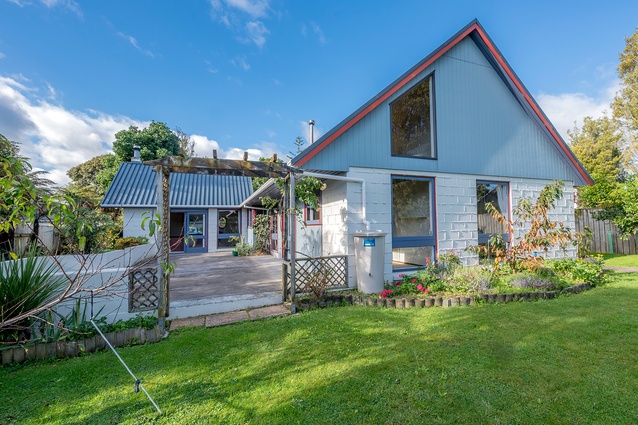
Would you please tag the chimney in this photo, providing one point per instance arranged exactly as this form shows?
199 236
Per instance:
136 154
311 123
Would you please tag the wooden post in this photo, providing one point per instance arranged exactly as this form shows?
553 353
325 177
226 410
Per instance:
163 195
292 220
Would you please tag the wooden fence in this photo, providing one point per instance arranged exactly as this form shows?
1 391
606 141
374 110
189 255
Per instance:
605 232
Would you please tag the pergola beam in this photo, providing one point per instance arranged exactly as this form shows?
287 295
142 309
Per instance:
228 167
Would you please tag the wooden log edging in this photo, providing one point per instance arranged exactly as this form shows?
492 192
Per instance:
62 349
461 300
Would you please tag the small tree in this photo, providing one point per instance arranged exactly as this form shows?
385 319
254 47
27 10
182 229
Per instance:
543 232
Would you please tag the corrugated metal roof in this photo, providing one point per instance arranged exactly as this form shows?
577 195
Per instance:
134 186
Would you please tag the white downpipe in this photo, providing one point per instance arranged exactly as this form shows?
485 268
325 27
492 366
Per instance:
346 179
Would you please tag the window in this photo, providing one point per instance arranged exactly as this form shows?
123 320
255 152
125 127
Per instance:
412 122
313 215
497 194
413 238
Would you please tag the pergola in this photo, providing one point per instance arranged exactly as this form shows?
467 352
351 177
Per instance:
229 167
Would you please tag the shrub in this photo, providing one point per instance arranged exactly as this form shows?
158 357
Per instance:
527 280
588 270
122 243
470 279
542 232
26 284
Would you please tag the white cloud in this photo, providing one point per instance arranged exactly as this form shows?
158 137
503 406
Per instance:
71 5
204 148
54 138
2 55
244 17
240 62
565 109
255 8
133 41
318 32
257 32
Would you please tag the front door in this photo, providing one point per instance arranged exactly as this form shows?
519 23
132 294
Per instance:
228 223
195 232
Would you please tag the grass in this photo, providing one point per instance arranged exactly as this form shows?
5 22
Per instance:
621 260
568 360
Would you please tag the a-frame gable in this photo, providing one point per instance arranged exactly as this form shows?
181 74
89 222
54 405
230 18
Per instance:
535 134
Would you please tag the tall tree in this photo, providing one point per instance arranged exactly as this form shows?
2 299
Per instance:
625 105
186 144
598 146
88 177
156 141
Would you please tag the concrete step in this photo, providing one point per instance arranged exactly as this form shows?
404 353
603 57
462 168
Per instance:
220 319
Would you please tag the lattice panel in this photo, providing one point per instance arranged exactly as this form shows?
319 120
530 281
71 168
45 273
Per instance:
335 268
143 290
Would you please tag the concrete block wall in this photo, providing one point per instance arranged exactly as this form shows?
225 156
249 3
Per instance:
334 206
563 212
456 219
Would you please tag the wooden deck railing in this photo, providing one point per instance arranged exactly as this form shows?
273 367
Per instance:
331 271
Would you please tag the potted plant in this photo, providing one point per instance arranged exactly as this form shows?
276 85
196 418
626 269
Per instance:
241 248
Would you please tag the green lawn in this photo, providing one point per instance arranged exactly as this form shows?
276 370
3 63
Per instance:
621 260
568 360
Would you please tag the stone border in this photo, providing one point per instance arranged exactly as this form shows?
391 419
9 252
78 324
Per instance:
350 299
61 349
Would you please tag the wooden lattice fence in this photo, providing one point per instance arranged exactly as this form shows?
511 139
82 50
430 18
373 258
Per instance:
604 232
310 271
143 290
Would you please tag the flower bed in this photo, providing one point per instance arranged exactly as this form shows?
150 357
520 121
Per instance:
437 301
449 278
46 350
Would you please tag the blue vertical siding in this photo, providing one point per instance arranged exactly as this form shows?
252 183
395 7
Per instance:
481 127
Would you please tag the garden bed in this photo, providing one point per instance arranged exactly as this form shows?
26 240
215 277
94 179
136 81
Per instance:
438 301
61 349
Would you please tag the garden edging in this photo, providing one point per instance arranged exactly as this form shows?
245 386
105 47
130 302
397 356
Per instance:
60 349
350 299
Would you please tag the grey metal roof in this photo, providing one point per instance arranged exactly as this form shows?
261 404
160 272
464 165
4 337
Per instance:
134 186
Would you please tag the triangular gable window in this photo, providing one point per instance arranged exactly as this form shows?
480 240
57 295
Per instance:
412 122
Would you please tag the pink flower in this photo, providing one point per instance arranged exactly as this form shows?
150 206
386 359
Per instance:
427 261
397 284
413 280
385 293
427 290
400 274
419 287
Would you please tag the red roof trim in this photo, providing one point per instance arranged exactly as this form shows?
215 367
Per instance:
534 106
517 83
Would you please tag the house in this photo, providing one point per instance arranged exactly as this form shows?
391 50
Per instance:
420 160
205 210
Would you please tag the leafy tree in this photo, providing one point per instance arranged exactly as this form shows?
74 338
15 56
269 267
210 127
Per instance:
598 146
625 105
21 192
155 141
86 174
608 148
186 144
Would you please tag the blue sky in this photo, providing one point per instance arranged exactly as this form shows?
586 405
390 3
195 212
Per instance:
248 74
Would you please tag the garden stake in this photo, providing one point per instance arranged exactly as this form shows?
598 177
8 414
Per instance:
138 383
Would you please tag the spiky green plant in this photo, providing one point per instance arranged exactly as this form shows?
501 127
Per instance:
25 285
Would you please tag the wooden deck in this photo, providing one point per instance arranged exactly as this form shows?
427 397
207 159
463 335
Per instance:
219 274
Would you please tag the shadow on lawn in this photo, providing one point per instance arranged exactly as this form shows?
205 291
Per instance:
547 361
